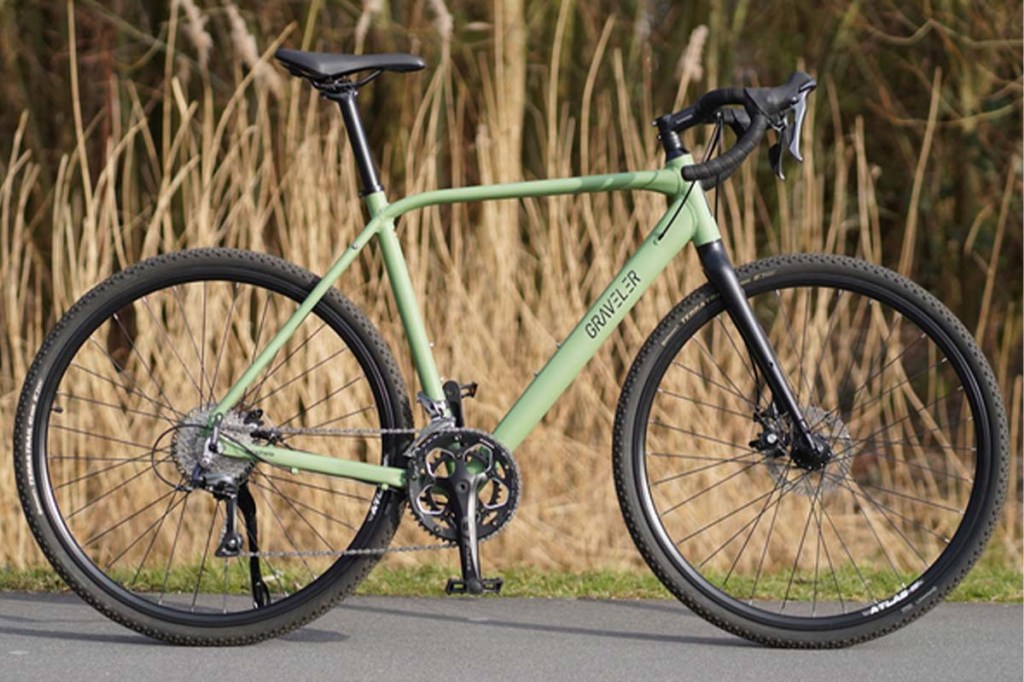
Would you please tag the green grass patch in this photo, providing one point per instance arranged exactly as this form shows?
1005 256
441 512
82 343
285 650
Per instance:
984 584
988 582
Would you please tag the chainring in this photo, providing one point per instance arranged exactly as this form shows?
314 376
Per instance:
434 459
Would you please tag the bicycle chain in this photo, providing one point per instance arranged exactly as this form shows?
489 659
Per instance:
349 552
348 433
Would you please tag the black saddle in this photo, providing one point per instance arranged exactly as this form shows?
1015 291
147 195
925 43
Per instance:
323 66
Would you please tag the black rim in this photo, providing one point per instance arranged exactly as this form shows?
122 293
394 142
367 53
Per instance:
937 569
377 502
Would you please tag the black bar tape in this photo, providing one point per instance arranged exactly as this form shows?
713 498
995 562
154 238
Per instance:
712 101
726 164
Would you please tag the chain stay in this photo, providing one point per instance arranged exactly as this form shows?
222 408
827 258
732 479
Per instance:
346 433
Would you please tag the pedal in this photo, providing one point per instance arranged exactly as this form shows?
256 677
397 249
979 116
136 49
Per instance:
454 392
479 586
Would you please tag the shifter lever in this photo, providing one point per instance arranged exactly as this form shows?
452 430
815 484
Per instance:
799 112
789 134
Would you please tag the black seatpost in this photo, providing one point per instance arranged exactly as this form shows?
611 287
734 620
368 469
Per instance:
346 99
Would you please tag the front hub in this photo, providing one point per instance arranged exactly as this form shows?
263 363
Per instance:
810 468
812 455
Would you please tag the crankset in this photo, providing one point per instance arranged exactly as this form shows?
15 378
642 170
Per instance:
464 487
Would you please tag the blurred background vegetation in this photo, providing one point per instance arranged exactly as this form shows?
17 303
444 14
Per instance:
130 128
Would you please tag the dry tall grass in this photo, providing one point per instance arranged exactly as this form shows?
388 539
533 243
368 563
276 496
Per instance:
271 171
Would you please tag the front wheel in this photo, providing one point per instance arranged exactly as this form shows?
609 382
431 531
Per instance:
109 431
790 550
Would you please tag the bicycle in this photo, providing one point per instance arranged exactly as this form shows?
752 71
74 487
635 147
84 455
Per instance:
846 407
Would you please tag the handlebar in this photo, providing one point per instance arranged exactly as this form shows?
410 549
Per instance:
762 107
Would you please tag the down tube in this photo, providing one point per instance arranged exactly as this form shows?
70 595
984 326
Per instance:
670 235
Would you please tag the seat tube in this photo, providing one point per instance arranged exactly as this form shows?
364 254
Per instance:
391 249
409 311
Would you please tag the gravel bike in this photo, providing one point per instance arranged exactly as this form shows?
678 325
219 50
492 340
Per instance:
215 446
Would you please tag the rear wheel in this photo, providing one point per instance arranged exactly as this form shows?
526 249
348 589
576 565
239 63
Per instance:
793 550
107 435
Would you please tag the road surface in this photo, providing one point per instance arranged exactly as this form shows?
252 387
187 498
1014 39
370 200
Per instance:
58 637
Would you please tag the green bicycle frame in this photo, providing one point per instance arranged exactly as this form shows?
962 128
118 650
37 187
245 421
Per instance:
686 219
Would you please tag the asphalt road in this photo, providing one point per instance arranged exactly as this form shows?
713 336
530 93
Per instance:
57 637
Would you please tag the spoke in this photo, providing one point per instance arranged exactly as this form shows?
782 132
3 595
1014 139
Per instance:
675 455
707 354
917 524
125 520
131 391
91 458
817 562
343 417
224 337
714 383
702 436
735 348
792 340
256 341
305 373
171 345
156 534
848 374
825 341
717 521
881 544
870 441
119 441
317 487
691 498
284 530
206 553
202 351
803 344
893 458
739 459
911 498
327 397
800 547
853 408
703 403
112 490
119 408
295 504
146 458
892 389
753 523
889 364
905 418
853 562
271 370
147 366
170 555
188 328
171 504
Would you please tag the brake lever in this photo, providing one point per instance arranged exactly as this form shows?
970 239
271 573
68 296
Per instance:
789 135
799 112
